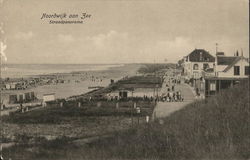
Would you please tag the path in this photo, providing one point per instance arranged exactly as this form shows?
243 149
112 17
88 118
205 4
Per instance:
164 109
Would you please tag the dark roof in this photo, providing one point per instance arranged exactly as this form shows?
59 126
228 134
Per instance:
220 54
225 60
49 94
200 55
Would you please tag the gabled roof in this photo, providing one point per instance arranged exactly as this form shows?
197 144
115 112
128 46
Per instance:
234 62
225 60
200 55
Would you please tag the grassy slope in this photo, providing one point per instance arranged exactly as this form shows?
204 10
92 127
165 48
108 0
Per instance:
218 129
58 115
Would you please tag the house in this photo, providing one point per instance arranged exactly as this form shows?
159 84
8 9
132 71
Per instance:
136 86
228 71
235 66
196 62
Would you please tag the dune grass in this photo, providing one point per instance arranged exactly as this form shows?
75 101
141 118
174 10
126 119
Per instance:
54 114
216 129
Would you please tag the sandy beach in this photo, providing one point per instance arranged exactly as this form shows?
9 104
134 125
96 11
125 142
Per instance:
76 82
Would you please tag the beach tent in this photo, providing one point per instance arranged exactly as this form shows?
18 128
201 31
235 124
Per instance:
49 97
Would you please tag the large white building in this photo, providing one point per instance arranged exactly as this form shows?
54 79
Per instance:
195 63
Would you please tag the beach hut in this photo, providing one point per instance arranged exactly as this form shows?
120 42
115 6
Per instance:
13 86
20 98
12 99
27 96
48 98
7 86
32 96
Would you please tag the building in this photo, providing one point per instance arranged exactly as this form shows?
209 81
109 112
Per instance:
120 93
133 92
228 71
235 66
15 86
196 62
22 98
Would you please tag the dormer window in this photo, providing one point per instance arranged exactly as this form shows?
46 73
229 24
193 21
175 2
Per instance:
200 56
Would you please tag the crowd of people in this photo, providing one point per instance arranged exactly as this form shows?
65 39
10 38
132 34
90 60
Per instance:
172 97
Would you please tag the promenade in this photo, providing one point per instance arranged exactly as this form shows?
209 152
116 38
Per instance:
164 109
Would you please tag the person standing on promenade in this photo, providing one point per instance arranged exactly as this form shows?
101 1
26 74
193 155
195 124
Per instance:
173 88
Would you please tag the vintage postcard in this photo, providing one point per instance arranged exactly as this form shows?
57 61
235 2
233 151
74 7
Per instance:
124 79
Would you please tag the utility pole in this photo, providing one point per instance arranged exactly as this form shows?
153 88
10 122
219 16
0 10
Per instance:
216 48
241 52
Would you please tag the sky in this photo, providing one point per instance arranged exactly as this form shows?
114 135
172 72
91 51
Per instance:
119 31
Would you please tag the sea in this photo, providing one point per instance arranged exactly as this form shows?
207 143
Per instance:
26 70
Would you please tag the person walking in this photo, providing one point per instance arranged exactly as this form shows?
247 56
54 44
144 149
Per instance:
173 88
170 97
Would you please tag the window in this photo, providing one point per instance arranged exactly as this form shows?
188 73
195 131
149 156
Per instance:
212 86
196 67
236 70
205 66
246 70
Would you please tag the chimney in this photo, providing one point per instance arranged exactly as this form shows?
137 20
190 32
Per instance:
237 53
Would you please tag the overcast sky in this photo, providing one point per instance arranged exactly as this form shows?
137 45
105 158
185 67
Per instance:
122 31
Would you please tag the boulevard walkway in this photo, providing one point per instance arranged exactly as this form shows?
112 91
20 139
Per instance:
164 109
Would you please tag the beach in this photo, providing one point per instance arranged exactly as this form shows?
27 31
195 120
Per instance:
74 81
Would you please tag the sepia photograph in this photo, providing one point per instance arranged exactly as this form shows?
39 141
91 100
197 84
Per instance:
124 80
